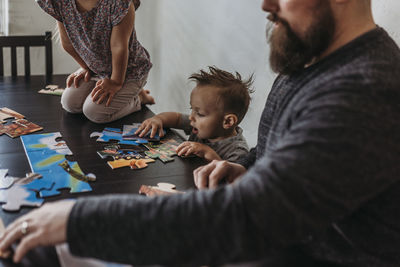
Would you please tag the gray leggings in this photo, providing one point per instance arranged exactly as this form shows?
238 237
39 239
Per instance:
125 101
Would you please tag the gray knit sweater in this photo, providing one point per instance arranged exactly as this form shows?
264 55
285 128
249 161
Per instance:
323 181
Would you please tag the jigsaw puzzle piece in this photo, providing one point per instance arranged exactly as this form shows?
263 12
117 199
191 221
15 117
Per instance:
45 142
60 179
133 163
5 181
128 133
159 190
19 194
110 134
6 113
20 127
45 154
163 150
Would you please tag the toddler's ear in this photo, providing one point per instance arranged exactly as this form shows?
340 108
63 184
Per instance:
230 120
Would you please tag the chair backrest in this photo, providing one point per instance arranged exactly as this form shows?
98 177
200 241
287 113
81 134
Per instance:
26 41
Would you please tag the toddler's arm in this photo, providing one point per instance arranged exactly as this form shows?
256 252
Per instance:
157 122
198 149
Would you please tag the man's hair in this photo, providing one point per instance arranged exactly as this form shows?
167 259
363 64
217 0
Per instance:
231 89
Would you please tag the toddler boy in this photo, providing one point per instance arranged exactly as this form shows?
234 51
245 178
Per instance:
218 102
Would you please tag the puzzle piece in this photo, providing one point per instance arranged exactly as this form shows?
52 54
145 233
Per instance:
116 152
133 163
6 113
5 181
115 134
52 89
77 175
163 150
19 127
129 133
18 194
159 190
45 153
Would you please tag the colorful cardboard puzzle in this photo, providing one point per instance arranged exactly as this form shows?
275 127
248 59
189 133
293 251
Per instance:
45 153
6 113
164 150
116 152
52 89
109 134
19 194
133 163
5 181
19 127
159 190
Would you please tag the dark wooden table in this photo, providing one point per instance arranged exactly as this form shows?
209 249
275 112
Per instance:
21 95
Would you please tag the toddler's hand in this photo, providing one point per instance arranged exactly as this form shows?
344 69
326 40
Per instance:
154 124
77 76
198 149
105 90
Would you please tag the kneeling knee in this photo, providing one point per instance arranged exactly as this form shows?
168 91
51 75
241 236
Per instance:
96 112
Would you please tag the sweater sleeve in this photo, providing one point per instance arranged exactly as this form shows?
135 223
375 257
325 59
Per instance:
332 160
248 159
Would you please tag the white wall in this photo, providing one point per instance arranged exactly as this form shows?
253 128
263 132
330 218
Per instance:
184 36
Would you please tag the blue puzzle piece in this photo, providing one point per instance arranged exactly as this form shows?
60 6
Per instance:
44 155
109 134
129 134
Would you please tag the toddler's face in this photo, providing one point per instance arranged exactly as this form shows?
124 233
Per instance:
207 114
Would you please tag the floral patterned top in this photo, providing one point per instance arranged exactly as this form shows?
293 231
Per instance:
90 34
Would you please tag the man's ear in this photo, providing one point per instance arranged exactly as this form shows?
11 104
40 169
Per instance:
230 120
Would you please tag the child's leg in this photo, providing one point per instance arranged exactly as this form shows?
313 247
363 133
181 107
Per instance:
125 101
73 98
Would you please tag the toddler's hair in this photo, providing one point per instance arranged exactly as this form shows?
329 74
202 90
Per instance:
231 90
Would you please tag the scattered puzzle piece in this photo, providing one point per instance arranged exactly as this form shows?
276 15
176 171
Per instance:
19 127
6 113
159 190
5 181
163 150
116 152
85 178
19 194
128 133
52 89
115 134
45 153
133 163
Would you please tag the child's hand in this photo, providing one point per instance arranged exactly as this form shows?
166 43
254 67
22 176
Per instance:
105 89
77 76
154 124
198 149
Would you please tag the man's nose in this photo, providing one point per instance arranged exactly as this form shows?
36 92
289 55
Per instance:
270 6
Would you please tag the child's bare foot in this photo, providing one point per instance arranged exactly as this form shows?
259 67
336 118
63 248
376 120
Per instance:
146 98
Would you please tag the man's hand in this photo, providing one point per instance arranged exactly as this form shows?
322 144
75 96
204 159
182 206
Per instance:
77 76
105 90
198 149
210 175
154 124
42 227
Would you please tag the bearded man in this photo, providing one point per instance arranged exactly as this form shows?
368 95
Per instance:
321 188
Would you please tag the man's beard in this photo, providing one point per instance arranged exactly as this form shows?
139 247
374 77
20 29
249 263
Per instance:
290 53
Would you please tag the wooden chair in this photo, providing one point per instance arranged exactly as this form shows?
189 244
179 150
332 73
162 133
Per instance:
26 41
